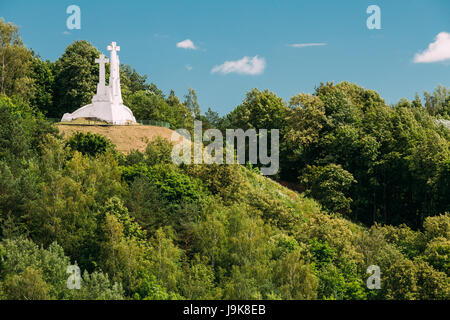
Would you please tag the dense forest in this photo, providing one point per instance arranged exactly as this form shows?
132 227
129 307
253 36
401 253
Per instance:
360 183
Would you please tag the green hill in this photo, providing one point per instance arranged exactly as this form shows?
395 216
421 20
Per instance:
140 227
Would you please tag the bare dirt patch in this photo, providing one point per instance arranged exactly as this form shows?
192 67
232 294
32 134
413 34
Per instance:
126 138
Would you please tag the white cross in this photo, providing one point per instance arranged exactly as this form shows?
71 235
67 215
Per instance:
101 61
113 47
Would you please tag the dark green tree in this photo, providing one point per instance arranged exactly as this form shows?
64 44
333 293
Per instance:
76 78
89 143
44 83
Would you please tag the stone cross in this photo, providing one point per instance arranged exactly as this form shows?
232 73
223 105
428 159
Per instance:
102 61
114 77
113 47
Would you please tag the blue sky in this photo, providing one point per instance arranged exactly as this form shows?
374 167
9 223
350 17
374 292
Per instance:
148 33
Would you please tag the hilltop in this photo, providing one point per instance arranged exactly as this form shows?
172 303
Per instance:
126 138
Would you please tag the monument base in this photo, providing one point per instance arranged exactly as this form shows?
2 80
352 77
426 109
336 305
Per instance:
104 111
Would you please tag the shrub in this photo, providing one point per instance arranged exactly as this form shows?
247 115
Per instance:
90 144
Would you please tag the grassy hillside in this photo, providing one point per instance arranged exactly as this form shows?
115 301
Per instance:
326 256
126 138
140 227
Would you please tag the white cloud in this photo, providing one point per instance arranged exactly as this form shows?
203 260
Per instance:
437 51
186 44
189 67
246 65
66 33
304 45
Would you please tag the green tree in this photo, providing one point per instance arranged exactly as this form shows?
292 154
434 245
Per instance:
44 84
223 180
199 280
295 278
166 261
89 143
15 64
212 118
33 272
76 78
158 151
432 284
148 206
306 120
437 103
329 185
123 258
70 194
27 285
98 286
259 110
133 81
184 118
147 105
191 103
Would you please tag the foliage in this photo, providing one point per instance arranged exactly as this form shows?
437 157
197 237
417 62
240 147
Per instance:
76 78
222 180
395 157
212 119
90 144
437 103
131 81
146 105
44 84
31 272
330 185
27 285
191 103
260 110
158 151
16 64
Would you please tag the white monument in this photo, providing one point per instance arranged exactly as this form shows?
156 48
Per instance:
107 104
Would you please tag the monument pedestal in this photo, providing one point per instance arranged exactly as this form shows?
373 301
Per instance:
103 111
